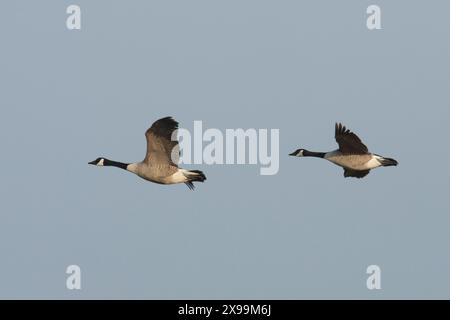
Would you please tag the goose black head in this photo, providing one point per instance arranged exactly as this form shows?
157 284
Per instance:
298 153
98 162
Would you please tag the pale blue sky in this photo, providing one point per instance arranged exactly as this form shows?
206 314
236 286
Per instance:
298 66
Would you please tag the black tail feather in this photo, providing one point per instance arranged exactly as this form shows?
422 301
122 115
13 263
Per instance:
194 176
386 162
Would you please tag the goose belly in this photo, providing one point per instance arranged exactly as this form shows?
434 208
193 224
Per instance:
354 161
158 174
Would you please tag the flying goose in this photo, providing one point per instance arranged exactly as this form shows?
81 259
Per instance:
352 154
161 161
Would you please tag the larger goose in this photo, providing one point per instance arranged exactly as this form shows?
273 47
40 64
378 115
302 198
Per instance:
161 161
352 154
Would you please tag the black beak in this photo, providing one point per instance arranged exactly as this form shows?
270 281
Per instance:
92 162
293 153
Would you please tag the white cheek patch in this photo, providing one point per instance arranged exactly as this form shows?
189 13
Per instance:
100 163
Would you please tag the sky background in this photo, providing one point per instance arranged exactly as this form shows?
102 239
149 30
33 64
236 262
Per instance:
68 97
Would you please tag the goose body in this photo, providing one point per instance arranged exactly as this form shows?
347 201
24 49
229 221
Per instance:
161 161
352 154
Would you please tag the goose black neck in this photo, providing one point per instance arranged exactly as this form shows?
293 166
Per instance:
117 164
307 153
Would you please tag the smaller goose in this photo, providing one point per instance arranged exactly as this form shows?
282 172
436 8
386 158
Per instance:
161 161
352 154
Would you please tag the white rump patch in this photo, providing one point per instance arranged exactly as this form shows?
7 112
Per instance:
374 162
179 176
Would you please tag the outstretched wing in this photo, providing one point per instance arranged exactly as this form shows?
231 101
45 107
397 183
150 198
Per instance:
355 173
160 146
348 142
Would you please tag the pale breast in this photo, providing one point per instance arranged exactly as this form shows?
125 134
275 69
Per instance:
155 173
351 161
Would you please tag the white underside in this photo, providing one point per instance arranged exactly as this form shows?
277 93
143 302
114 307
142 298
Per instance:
355 162
373 163
178 177
141 170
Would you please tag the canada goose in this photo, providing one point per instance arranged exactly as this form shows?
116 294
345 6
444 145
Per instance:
352 154
161 161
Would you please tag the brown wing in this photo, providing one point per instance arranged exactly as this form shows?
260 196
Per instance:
160 146
355 173
348 142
